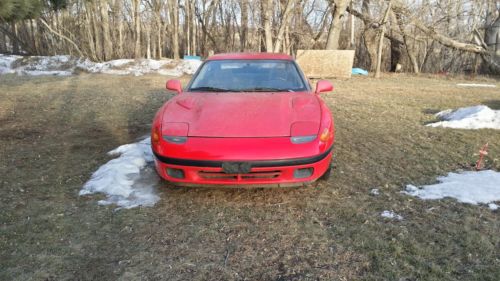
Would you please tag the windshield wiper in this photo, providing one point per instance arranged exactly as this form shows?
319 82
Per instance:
209 89
264 89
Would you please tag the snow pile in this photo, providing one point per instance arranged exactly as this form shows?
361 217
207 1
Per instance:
140 67
481 187
123 179
477 85
6 63
391 215
41 65
474 117
67 65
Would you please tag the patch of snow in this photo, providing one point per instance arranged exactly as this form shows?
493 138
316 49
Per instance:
44 72
119 62
470 187
123 179
189 66
6 63
477 85
391 215
374 191
67 65
493 206
124 66
474 117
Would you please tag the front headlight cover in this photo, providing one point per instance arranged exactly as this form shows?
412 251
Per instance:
175 139
302 139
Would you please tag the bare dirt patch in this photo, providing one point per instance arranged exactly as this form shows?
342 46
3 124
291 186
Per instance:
54 132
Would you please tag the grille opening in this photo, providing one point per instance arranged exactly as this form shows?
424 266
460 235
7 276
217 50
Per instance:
175 173
303 173
249 176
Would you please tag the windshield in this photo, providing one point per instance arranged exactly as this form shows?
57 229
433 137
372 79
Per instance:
248 76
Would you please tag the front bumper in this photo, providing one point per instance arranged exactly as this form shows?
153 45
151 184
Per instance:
280 172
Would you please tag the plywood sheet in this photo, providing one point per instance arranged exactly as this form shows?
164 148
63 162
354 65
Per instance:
326 63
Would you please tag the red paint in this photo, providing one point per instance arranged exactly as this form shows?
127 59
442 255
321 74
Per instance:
174 85
244 127
323 86
242 115
178 129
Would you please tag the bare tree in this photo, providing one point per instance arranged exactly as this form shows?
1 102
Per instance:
267 11
174 16
332 42
106 35
244 24
381 40
137 21
441 35
285 20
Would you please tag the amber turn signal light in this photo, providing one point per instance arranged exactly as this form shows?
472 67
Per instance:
326 135
155 138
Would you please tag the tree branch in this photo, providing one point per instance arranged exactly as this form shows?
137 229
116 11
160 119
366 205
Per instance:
442 39
62 36
368 21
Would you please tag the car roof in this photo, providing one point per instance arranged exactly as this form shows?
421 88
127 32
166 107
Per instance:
250 56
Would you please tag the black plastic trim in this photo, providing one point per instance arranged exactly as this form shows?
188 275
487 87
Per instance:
257 163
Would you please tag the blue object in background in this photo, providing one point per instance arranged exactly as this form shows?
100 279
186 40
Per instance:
192 57
359 71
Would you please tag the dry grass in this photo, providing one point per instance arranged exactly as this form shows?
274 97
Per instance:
54 133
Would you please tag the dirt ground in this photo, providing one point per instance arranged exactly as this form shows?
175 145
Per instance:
55 132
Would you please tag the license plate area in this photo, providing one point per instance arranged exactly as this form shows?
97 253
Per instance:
236 167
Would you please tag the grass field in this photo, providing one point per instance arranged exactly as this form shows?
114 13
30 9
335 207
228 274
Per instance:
54 132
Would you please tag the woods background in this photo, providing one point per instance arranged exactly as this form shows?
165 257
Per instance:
461 36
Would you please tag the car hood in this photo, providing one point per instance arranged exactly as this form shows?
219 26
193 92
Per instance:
245 114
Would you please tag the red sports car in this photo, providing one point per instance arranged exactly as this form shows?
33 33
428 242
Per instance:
244 119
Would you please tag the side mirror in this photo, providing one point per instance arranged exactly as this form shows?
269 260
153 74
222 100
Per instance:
174 85
323 86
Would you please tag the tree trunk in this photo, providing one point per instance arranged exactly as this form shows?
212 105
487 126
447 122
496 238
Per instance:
396 45
36 39
267 11
148 42
244 24
369 33
187 26
106 35
119 26
193 29
96 33
174 15
286 42
88 28
3 43
159 41
381 42
284 23
332 42
137 21
15 44
352 26
409 50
